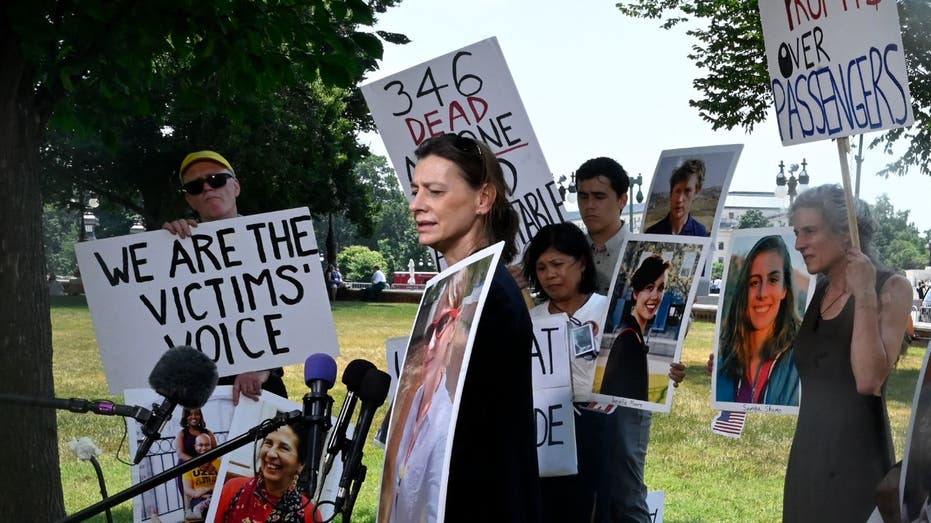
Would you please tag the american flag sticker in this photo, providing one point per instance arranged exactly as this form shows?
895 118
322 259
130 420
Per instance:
729 423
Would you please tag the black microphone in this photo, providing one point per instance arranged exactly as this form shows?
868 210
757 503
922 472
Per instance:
184 376
352 378
372 392
319 375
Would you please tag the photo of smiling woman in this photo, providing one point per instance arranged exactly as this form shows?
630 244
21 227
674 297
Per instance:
761 313
626 373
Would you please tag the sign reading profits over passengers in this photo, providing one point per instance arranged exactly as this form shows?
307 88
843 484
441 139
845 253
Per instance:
469 92
248 292
837 67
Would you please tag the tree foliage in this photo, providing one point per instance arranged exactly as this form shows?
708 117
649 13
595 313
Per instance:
394 232
897 240
357 263
752 219
735 88
78 66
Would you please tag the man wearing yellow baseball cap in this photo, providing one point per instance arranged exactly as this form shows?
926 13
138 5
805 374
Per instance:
210 187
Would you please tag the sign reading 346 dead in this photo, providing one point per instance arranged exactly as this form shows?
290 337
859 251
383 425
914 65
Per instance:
248 292
837 67
469 92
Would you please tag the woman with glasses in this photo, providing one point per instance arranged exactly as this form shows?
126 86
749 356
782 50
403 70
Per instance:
460 206
558 264
759 328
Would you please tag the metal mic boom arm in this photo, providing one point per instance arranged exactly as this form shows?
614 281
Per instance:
259 431
80 406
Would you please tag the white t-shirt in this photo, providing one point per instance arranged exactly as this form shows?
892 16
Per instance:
378 277
583 369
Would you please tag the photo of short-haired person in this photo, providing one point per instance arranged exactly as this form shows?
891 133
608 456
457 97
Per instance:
686 182
626 373
686 195
199 482
759 326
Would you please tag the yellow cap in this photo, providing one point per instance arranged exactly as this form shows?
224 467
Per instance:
203 155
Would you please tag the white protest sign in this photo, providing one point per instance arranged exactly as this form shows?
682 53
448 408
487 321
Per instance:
248 292
425 411
394 352
552 396
468 92
550 352
837 67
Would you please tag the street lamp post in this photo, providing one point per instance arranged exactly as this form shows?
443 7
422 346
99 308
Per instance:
638 181
89 221
791 186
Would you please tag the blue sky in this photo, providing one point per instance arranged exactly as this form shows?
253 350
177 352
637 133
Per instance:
596 83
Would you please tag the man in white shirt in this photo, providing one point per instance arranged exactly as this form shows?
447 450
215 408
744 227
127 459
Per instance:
379 282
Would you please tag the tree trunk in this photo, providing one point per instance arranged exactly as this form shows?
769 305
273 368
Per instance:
30 488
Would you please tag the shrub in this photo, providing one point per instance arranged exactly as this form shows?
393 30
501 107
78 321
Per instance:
357 263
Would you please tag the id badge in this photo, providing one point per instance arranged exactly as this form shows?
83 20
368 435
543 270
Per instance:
583 339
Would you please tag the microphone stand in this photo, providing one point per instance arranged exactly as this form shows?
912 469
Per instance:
259 431
353 493
80 406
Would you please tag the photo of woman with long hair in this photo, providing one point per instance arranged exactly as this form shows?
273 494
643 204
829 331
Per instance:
758 329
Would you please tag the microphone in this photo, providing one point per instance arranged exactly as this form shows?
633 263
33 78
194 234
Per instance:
184 376
319 375
372 392
352 378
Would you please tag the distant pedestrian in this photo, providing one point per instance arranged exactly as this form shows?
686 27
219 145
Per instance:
379 282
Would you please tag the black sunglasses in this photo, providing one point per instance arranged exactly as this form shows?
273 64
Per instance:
437 326
215 180
468 145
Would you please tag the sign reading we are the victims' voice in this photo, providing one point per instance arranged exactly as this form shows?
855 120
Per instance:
468 92
248 292
837 67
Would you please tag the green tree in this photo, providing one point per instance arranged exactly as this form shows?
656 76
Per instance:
394 232
752 219
74 65
717 270
735 91
357 263
897 240
60 229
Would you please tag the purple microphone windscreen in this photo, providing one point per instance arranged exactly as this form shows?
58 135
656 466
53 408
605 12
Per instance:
374 387
184 375
355 373
320 367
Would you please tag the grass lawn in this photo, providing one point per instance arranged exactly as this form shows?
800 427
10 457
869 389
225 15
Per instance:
705 477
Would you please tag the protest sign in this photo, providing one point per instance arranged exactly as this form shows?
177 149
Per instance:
248 292
651 296
689 186
469 92
552 396
836 67
425 408
168 502
766 285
